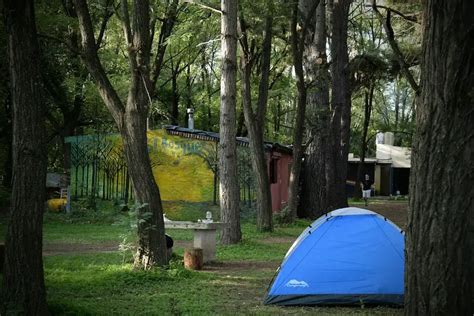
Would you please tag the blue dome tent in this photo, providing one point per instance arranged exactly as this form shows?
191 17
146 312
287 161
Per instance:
348 256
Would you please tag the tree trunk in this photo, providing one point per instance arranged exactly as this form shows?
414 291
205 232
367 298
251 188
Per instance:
174 98
440 236
229 186
147 195
369 96
131 122
255 122
313 192
336 168
297 49
23 279
7 167
193 259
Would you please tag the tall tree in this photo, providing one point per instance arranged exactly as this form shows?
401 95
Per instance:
229 186
24 280
313 192
298 38
255 119
131 117
336 163
440 237
368 102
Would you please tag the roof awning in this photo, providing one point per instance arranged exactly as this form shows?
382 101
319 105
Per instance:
399 156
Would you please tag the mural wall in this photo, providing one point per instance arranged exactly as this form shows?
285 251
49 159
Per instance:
184 168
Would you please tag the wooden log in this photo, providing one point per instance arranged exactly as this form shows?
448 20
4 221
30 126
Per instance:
193 259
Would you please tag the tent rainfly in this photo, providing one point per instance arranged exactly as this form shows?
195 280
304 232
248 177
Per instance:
348 256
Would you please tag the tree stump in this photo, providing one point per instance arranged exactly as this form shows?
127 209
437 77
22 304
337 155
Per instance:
193 259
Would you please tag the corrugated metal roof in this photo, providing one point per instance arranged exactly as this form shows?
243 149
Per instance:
212 136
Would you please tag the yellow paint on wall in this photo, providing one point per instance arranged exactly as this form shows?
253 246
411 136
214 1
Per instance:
179 172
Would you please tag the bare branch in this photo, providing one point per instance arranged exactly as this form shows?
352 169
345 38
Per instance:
105 19
165 32
93 64
396 49
204 6
411 18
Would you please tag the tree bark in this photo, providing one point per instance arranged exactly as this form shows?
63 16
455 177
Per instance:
336 166
24 279
193 259
228 180
174 112
313 192
131 121
255 121
440 236
297 48
369 97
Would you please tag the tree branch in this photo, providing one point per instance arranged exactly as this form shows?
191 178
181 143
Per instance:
404 16
396 49
165 32
204 6
307 21
93 64
127 31
105 19
266 58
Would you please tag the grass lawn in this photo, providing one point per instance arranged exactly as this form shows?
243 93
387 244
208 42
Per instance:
101 280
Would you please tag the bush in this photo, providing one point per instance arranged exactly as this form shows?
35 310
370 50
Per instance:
283 217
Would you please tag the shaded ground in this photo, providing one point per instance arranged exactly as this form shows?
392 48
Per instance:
395 211
52 249
240 285
240 266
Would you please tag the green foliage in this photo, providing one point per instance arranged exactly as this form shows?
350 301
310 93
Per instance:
87 211
283 217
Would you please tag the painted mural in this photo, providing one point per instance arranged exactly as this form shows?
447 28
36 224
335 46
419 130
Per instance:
180 167
184 168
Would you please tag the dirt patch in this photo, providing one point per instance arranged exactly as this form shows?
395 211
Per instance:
53 249
76 248
239 266
394 211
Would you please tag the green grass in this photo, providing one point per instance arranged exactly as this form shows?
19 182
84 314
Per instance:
101 283
81 233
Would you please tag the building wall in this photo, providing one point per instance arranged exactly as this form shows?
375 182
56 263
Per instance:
281 178
181 166
98 167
